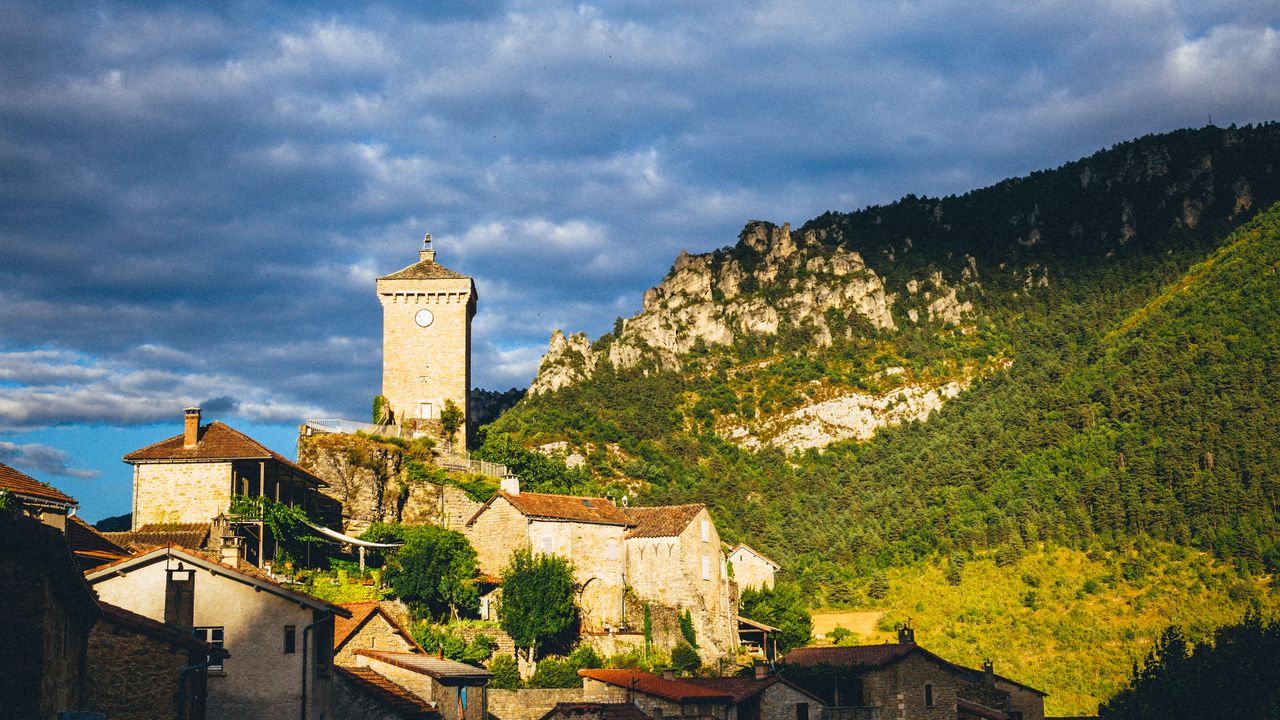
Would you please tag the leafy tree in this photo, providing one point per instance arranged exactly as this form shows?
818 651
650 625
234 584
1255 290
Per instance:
955 568
433 572
506 673
648 628
563 672
879 587
451 418
537 609
783 607
685 658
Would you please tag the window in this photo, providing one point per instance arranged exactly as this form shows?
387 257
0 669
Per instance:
802 711
213 636
706 567
548 544
706 531
928 695
611 550
290 639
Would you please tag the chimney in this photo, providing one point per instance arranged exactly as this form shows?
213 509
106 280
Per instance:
906 635
510 484
191 430
179 597
988 673
762 670
426 254
668 673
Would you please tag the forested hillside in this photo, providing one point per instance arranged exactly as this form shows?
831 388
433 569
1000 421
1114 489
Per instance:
1120 359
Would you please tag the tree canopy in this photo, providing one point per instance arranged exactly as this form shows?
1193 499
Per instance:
783 607
433 572
537 608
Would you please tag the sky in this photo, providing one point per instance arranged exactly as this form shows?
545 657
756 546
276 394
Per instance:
195 198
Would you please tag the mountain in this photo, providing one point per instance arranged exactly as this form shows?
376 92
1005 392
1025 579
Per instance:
1085 358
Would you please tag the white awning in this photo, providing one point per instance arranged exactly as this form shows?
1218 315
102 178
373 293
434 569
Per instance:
339 537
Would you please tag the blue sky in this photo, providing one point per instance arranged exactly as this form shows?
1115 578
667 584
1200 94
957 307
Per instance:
195 200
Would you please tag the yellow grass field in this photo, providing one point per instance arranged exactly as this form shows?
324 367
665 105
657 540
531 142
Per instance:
862 622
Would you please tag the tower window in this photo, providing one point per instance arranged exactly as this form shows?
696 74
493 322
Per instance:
928 695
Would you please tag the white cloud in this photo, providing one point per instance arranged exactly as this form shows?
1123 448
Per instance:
36 459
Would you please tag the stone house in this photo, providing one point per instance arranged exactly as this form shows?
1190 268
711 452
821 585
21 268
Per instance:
763 697
674 558
456 690
751 569
190 478
589 531
35 499
141 669
362 694
280 640
49 613
370 627
904 680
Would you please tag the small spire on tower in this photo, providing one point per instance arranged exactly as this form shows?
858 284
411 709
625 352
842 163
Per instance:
426 253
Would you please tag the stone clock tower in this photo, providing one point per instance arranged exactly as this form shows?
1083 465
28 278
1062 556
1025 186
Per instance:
426 338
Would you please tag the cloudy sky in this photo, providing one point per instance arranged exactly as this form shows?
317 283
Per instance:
196 198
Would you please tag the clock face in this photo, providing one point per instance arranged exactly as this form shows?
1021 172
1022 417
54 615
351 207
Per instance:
424 317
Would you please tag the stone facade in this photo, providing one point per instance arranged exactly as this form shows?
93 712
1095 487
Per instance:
166 493
781 701
529 704
448 698
1022 699
596 551
751 570
49 612
263 678
900 689
688 571
133 676
653 706
377 633
423 366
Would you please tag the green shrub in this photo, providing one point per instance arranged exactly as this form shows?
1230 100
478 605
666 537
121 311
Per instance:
506 673
685 658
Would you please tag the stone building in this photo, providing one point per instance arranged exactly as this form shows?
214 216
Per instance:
49 611
763 697
589 531
191 478
457 691
370 627
904 680
674 558
426 338
141 669
280 640
362 694
751 569
36 499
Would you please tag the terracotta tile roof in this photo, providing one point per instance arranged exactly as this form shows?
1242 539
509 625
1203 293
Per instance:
361 612
89 546
661 521
424 271
982 711
120 617
872 656
188 535
738 688
597 711
387 693
246 573
677 691
600 511
436 667
216 441
21 484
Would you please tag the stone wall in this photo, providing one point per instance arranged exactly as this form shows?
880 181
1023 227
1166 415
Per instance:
599 565
1030 704
749 571
779 701
135 677
613 643
529 704
180 492
444 696
499 531
352 703
899 690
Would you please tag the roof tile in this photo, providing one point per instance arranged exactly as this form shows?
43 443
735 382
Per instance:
23 484
661 521
677 691
600 511
388 693
436 667
425 270
216 441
